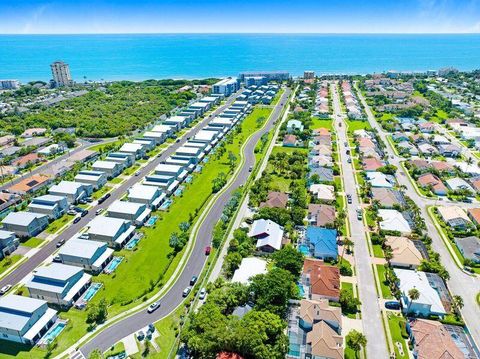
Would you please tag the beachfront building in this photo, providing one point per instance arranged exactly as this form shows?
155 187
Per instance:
24 320
226 86
92 256
58 284
52 206
61 74
113 231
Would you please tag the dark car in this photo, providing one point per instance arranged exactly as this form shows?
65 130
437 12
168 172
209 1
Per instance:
57 259
208 249
84 213
193 280
107 195
392 305
77 219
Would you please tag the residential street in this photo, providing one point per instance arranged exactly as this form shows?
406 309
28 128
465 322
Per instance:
26 268
460 283
197 259
370 308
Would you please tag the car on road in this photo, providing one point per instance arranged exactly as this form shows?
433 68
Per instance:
84 213
359 214
349 198
349 160
250 169
137 173
153 307
56 259
347 151
99 211
208 249
61 242
71 212
186 292
178 140
393 304
77 218
345 144
203 294
5 289
107 195
193 280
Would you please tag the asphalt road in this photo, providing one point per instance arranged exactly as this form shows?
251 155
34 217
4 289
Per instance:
197 259
27 267
370 307
460 283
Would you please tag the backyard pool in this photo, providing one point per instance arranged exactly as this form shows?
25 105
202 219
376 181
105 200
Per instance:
205 160
113 265
303 248
132 243
166 204
52 333
151 221
198 168
179 191
189 179
91 291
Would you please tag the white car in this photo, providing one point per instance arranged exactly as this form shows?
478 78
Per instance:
153 307
5 289
203 294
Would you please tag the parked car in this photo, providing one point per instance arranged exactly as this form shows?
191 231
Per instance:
153 307
203 294
83 236
89 199
359 214
77 218
393 304
349 199
193 280
84 213
99 211
5 289
61 242
250 169
208 249
349 160
137 173
186 291
140 335
151 328
56 259
71 212
82 201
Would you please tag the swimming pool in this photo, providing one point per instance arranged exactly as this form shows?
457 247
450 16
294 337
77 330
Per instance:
166 204
113 265
301 290
91 291
205 160
198 169
132 242
151 221
53 333
189 179
179 191
303 248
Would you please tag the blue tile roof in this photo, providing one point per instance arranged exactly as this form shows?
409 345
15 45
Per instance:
324 240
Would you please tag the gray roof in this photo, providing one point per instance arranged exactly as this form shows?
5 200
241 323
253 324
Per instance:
16 310
48 198
6 234
68 187
142 191
57 271
83 248
21 218
106 226
106 164
125 207
470 247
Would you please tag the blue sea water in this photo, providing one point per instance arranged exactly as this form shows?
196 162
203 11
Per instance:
142 56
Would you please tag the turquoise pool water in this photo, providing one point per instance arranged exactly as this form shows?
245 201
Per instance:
151 221
54 332
189 179
132 243
198 169
113 264
91 291
205 160
303 248
179 191
166 204
301 290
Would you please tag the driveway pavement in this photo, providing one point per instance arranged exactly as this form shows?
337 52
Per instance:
460 283
371 311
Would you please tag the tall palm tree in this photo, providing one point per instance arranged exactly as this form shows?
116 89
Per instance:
457 304
413 294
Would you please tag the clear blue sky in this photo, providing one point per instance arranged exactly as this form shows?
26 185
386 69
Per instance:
222 16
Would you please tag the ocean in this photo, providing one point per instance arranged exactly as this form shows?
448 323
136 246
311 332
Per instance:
157 56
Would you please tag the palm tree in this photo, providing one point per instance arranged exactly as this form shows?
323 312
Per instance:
457 304
413 294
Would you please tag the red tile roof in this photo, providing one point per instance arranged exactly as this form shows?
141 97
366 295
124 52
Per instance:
324 279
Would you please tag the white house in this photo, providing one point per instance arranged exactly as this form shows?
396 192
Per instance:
114 231
92 256
269 235
52 206
393 220
73 191
149 195
137 213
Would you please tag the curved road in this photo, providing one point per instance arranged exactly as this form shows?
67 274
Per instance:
27 267
197 258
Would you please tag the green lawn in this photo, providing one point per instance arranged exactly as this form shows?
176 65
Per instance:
58 223
100 192
349 287
100 147
7 262
148 267
321 123
131 170
386 293
277 97
115 350
394 326
32 242
116 180
378 251
358 125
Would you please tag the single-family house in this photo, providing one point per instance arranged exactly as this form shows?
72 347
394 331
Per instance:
379 180
124 159
430 181
25 224
322 242
323 174
269 235
275 199
134 148
387 197
24 320
52 206
111 168
469 247
58 283
137 213
429 301
73 191
294 126
323 192
393 220
8 243
459 184
95 178
30 184
114 231
404 252
427 149
371 164
290 140
321 215
322 280
152 196
92 256
324 342
454 216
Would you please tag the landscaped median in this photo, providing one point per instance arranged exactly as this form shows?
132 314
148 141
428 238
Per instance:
152 262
